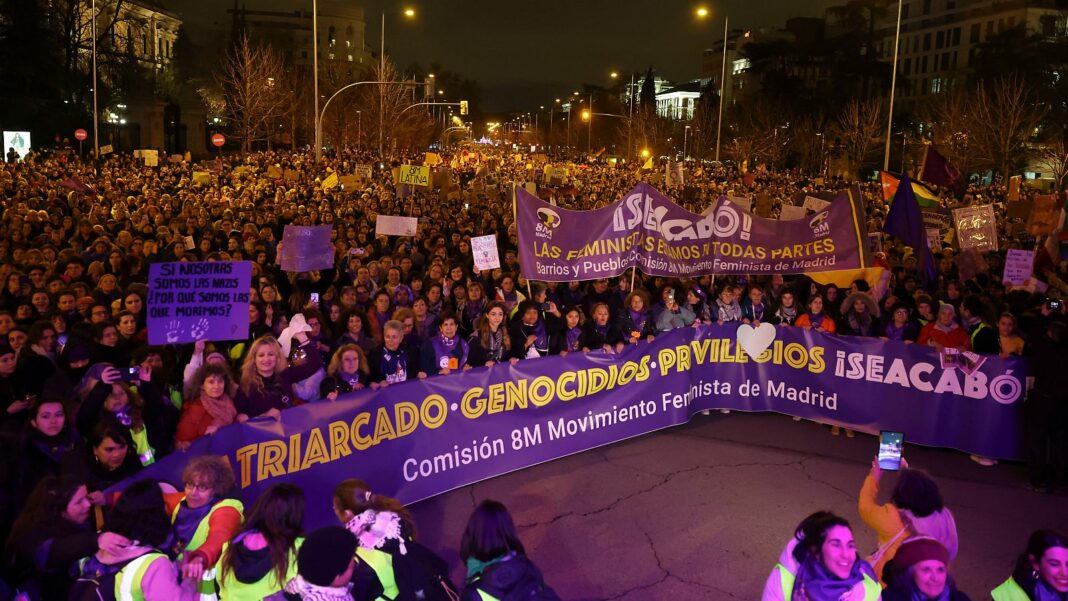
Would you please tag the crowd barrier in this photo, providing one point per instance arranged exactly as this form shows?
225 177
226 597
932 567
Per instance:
421 438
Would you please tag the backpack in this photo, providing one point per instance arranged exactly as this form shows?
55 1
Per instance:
96 581
420 575
527 585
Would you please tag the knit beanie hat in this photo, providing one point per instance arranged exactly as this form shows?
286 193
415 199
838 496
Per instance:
920 548
325 555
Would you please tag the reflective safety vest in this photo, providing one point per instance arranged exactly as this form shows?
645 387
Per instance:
486 596
145 452
978 328
382 563
128 579
872 590
206 586
231 589
1009 591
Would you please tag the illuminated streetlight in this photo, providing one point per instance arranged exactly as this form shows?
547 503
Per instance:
645 153
701 12
614 75
409 12
431 76
585 115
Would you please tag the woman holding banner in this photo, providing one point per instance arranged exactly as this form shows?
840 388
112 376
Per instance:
815 318
490 343
532 335
636 322
446 352
596 333
266 384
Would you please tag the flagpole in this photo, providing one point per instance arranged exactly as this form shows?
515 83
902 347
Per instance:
893 89
96 114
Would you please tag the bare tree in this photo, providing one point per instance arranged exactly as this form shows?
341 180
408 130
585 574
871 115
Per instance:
809 144
1009 112
252 84
857 130
954 127
1053 155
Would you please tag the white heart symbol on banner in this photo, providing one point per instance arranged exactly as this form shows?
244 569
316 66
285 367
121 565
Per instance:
756 340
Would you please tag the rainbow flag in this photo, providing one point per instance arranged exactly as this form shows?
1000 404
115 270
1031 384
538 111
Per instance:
924 196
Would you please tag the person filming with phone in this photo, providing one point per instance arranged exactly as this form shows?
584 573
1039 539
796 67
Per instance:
674 315
915 508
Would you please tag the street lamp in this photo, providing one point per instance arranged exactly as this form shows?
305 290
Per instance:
409 13
685 138
701 12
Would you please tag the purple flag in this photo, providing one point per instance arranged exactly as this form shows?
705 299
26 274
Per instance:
77 185
905 222
936 169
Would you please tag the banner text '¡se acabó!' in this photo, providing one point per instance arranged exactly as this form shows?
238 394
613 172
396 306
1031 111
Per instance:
724 350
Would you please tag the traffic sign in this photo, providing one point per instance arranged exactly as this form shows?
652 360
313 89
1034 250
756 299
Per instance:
80 134
218 140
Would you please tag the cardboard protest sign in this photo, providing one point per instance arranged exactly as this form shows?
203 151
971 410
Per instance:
790 212
1044 216
350 182
742 202
815 204
934 239
290 175
976 228
484 251
1019 210
362 171
331 181
202 177
190 301
106 149
412 175
274 172
390 225
1014 188
432 159
1019 266
151 157
306 248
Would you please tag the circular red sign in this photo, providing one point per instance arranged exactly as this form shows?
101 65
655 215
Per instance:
218 139
80 134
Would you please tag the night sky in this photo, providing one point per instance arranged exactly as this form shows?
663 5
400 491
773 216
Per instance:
523 53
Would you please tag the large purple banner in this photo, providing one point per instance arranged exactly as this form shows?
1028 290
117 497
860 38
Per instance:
419 439
646 229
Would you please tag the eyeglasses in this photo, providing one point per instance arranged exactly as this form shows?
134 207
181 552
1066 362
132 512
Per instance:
199 487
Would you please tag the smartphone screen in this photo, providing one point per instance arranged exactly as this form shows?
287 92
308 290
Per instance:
890 444
315 298
131 374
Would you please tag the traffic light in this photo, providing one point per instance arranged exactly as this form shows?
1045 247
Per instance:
463 107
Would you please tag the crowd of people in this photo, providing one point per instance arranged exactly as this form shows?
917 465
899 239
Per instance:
87 402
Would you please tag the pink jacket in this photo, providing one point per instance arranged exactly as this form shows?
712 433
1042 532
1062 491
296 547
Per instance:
160 581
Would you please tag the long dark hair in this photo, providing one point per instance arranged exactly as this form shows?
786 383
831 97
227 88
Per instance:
277 515
46 504
918 493
812 532
353 495
140 514
490 533
1037 545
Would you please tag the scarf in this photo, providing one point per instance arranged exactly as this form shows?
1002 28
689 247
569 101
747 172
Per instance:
541 341
381 318
375 529
573 335
394 364
53 447
1043 592
475 567
918 596
313 592
815 583
816 319
639 318
473 309
446 348
221 410
496 344
860 322
729 312
435 308
787 314
946 329
352 379
758 312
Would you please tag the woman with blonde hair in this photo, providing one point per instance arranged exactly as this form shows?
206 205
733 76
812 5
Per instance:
348 371
266 384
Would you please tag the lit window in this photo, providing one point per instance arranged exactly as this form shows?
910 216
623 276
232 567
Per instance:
740 66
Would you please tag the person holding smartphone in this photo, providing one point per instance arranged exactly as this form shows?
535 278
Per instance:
915 508
674 315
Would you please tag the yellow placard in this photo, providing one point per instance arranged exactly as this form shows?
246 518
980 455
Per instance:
413 175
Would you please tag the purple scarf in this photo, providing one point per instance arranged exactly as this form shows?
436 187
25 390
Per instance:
573 335
541 341
446 348
638 318
395 365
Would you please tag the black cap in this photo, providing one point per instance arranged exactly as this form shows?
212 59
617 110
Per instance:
325 555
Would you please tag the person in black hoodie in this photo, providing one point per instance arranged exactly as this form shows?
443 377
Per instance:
258 561
495 559
50 536
41 448
533 335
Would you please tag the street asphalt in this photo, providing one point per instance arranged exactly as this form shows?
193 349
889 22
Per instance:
703 510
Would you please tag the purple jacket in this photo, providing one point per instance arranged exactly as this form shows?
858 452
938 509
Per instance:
277 391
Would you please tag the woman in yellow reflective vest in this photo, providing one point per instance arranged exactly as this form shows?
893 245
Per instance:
1041 572
820 563
203 520
263 557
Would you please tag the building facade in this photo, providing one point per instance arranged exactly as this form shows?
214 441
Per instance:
342 33
940 38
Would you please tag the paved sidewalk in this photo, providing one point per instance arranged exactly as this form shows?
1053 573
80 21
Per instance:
702 511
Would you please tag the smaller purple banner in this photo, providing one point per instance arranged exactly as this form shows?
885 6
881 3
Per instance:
190 301
306 248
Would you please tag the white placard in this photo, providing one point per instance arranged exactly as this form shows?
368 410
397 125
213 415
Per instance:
1019 266
743 202
484 250
816 204
391 225
106 149
19 140
151 157
790 213
934 239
